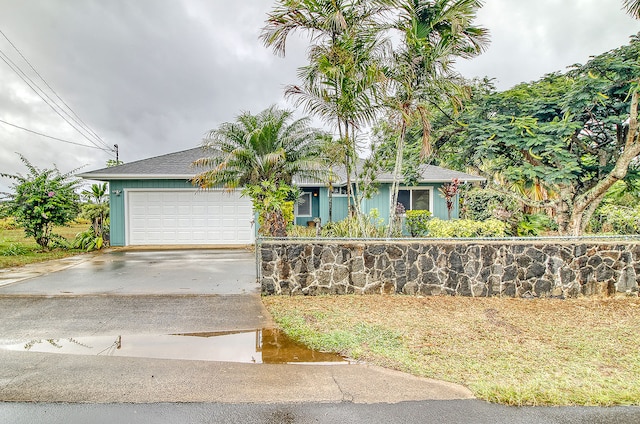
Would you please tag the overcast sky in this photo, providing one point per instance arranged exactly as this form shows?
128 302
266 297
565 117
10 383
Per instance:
153 76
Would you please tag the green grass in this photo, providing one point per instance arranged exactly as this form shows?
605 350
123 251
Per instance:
510 351
16 250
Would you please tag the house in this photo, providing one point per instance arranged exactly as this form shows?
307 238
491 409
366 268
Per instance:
153 202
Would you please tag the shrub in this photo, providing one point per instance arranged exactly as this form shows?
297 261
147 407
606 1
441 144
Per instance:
273 204
301 231
482 204
15 249
88 240
615 219
367 226
466 228
42 200
417 222
534 224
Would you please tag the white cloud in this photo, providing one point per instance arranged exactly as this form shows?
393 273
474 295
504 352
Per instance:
153 76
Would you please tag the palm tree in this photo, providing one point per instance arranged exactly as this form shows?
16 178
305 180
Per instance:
98 194
262 153
632 7
268 146
339 82
434 33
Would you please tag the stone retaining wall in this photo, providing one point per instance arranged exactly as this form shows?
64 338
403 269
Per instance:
466 268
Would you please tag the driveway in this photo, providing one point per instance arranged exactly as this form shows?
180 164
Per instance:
139 272
130 297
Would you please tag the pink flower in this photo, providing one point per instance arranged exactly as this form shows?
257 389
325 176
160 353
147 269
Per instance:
51 194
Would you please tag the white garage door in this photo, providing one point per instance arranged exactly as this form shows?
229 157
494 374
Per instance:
188 217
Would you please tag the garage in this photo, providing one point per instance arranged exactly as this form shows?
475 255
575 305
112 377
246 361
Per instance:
153 202
187 217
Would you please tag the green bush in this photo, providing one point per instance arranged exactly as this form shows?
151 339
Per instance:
368 226
88 240
534 224
417 222
466 228
615 219
41 200
15 249
482 204
301 231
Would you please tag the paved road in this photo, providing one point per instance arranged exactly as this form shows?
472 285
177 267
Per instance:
450 412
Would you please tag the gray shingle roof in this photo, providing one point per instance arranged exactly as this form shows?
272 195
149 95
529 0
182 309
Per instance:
178 166
170 166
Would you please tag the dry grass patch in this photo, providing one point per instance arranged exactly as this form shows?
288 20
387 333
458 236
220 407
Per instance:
512 351
17 250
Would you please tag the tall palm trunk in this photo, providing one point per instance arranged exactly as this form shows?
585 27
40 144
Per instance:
395 186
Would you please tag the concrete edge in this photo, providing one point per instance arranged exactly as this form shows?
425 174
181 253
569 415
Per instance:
37 269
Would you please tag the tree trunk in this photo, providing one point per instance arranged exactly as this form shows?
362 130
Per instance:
330 202
586 203
397 170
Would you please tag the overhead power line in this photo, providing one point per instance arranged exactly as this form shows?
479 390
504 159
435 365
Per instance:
80 121
55 138
32 85
53 104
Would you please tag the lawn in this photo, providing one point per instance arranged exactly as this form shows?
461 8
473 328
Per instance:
16 250
512 351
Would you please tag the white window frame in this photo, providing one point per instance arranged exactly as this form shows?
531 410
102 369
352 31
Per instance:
310 203
338 194
411 189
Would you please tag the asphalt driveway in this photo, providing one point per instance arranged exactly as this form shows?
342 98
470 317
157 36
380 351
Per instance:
159 272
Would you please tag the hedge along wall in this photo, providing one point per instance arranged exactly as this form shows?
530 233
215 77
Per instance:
467 268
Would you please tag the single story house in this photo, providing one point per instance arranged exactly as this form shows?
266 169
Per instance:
153 202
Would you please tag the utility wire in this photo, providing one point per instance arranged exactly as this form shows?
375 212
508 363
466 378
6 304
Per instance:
56 138
85 126
29 82
51 103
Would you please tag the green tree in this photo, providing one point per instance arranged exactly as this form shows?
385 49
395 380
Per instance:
576 134
41 200
339 83
267 147
433 34
97 211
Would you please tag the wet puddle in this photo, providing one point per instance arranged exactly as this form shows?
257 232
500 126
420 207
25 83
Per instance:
264 346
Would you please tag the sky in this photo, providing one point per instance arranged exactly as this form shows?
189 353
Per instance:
154 76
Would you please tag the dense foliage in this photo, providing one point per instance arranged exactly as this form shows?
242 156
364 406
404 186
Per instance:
417 222
95 210
41 200
466 228
571 136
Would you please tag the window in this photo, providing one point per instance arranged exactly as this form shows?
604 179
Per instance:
303 205
339 191
418 198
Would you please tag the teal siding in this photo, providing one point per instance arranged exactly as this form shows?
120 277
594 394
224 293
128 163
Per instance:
320 203
440 204
379 201
340 207
315 207
116 202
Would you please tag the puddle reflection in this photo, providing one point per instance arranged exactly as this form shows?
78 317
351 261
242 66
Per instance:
260 346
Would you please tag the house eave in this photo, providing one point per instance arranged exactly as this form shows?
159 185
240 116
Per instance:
108 177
